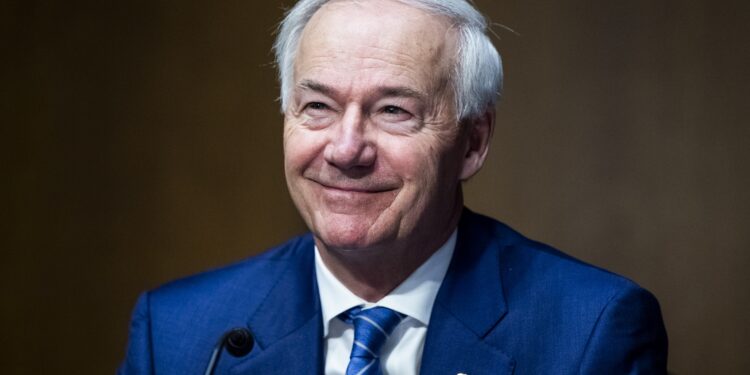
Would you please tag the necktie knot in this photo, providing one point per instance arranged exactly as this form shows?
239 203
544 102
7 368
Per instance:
371 329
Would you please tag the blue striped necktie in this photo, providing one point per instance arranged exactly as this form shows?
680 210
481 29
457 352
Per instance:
371 329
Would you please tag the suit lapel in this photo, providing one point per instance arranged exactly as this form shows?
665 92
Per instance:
469 305
288 326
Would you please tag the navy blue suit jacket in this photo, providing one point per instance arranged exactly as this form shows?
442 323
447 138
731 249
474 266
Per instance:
508 305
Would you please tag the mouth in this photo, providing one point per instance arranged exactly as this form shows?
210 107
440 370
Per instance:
355 188
352 197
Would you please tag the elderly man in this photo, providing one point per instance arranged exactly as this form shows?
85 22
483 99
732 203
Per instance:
388 108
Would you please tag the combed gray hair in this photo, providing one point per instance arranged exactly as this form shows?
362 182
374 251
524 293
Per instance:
477 75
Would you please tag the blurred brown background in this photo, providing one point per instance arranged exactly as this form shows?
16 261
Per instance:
143 143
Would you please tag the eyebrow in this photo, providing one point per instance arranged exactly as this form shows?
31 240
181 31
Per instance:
387 91
317 87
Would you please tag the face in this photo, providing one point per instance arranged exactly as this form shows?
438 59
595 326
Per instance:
374 156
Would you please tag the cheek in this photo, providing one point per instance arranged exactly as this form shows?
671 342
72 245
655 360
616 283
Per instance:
413 161
429 167
300 149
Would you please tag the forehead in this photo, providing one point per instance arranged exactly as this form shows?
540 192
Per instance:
375 40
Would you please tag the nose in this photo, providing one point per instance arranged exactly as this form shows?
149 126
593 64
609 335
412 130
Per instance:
348 147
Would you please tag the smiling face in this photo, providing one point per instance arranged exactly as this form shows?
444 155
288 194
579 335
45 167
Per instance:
373 153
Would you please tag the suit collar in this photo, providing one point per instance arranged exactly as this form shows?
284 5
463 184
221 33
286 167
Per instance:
288 316
472 290
470 303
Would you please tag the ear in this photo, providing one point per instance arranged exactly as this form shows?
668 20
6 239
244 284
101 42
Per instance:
477 143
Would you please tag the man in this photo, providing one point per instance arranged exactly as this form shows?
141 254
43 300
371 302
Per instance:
388 107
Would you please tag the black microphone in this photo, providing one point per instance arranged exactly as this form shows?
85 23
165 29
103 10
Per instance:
238 342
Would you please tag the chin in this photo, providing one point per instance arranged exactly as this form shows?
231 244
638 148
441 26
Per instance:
344 239
349 234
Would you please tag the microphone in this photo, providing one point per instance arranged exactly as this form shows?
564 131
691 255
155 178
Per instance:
238 342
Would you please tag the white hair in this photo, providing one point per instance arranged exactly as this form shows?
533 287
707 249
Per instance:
476 77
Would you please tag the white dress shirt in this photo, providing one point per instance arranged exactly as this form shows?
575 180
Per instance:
402 352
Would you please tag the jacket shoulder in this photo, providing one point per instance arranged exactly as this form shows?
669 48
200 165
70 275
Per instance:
249 280
579 317
176 324
529 264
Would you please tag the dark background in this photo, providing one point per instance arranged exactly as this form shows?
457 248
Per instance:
143 143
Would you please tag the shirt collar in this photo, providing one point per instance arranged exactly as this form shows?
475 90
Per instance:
414 297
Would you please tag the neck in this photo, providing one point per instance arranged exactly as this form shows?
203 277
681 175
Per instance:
373 273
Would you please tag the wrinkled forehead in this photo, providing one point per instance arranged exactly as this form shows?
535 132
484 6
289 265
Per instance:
378 31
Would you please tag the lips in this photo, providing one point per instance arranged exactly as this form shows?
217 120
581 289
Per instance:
355 188
368 184
354 198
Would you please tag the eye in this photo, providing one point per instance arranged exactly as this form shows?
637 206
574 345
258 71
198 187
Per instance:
317 115
316 106
392 113
393 110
